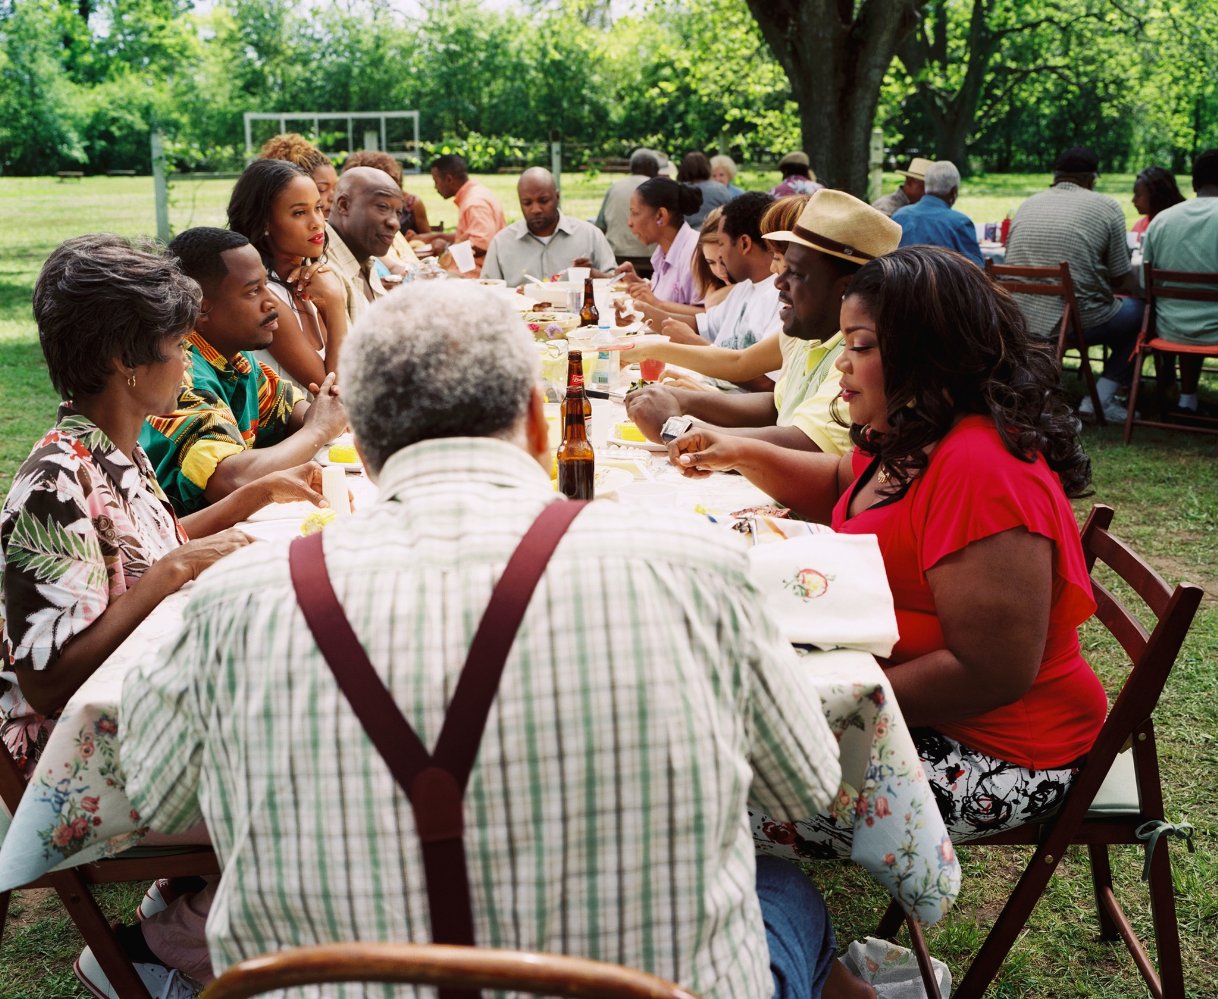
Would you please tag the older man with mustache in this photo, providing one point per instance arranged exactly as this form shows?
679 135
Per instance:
236 420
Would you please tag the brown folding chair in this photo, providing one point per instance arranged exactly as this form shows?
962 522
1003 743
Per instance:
1117 798
1191 286
440 965
1054 282
73 884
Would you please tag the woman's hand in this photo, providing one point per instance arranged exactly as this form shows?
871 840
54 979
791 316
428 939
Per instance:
627 272
700 452
323 289
301 276
641 292
190 559
680 381
291 485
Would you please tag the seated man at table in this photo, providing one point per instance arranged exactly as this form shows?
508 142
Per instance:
835 235
933 222
1185 238
643 705
363 224
480 215
1071 222
235 421
546 240
911 190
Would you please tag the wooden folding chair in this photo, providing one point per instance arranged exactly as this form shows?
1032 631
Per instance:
72 886
1054 282
1117 798
440 965
1191 286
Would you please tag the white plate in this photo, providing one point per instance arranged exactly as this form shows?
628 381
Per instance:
645 444
609 480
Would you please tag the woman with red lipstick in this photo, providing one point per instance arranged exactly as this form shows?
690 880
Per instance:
965 454
276 206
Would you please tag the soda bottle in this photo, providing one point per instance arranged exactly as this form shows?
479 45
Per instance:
589 314
576 459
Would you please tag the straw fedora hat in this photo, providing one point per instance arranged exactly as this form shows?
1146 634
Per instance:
840 225
917 168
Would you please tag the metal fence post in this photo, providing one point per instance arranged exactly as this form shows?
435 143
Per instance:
160 186
556 158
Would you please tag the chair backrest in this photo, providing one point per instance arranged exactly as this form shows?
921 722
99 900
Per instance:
1151 653
1192 286
1051 282
440 965
12 780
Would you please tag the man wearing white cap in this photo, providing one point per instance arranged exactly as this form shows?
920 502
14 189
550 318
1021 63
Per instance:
910 192
835 235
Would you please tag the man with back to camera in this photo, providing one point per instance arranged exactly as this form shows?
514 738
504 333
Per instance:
911 190
614 217
1185 238
1071 222
836 234
363 223
933 221
546 240
797 177
480 215
642 855
235 421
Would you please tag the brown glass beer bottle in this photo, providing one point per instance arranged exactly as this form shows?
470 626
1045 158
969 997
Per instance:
576 459
589 315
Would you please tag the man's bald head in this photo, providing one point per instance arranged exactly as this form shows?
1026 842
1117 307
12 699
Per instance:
365 213
538 200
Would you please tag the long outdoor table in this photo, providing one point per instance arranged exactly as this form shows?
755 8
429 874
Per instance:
76 810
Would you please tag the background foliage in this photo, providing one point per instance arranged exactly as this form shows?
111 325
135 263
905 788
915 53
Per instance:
998 85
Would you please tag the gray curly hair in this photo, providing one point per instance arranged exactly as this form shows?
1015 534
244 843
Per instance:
436 359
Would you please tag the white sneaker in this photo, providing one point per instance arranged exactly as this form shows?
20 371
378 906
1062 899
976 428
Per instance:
1114 412
161 982
155 900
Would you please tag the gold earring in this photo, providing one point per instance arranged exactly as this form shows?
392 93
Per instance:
912 404
131 379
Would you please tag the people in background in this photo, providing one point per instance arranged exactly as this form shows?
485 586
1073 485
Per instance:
1154 189
658 209
1071 222
910 191
1185 238
250 698
89 541
965 457
479 213
695 169
932 221
232 419
797 176
275 205
297 149
614 217
723 169
546 240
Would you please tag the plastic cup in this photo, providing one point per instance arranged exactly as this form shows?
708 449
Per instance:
651 369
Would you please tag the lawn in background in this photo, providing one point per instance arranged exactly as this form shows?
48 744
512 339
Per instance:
1164 488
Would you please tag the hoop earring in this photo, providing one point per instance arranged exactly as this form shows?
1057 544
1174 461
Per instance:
131 379
912 404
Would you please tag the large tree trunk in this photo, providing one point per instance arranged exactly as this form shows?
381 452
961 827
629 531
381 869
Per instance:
835 58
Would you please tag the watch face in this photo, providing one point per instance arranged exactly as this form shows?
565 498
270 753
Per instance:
674 427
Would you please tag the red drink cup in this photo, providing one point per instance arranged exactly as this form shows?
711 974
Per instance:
651 369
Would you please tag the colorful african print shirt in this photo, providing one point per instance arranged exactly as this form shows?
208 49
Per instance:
224 408
81 524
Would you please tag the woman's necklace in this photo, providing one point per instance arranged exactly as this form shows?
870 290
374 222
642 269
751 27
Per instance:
882 476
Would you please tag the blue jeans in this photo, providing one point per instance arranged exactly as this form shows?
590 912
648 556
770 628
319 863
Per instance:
1120 333
797 929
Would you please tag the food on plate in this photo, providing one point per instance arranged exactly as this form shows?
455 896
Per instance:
315 521
343 454
550 325
418 244
628 432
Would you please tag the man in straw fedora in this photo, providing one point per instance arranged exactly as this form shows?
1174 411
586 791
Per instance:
911 190
835 235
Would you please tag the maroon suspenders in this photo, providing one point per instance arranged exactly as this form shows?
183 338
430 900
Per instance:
435 782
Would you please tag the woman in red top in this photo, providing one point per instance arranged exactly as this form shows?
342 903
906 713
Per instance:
965 455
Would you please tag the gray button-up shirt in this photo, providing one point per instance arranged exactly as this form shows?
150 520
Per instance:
515 250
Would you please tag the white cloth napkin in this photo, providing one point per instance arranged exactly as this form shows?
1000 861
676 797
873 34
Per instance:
828 590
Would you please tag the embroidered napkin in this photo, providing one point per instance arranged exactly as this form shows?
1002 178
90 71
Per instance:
828 590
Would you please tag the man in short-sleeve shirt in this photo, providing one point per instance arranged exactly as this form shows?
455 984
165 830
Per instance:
236 420
480 215
1071 222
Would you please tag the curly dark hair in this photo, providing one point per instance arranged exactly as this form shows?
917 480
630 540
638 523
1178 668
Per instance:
954 343
294 148
1161 188
101 298
249 206
377 160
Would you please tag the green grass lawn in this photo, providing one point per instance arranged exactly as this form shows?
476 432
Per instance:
1164 488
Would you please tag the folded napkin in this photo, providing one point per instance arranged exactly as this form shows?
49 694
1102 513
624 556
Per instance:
828 590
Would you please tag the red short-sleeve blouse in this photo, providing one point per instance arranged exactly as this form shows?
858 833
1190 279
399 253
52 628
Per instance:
971 489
